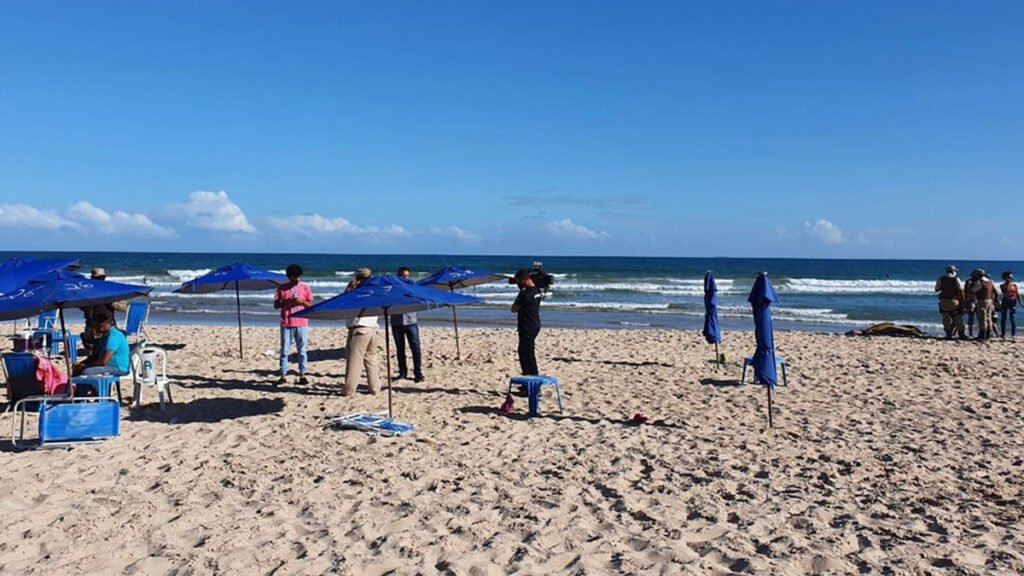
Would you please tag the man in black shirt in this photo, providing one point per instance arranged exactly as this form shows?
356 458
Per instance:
527 308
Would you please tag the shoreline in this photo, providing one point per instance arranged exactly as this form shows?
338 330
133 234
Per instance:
591 320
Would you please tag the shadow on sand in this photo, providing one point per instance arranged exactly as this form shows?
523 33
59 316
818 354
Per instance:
208 410
521 416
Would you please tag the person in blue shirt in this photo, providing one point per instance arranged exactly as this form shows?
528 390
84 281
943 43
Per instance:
114 357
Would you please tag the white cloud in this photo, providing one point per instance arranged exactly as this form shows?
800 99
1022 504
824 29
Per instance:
566 228
214 211
825 232
316 225
456 233
25 216
98 220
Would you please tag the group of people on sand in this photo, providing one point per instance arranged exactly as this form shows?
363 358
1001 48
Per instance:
977 298
364 341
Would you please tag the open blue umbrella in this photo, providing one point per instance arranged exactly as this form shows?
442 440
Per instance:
762 296
711 331
58 290
16 272
452 277
238 276
387 294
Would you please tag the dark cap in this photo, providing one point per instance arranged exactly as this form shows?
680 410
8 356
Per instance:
522 274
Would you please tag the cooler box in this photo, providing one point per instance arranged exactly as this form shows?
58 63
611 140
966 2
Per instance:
63 421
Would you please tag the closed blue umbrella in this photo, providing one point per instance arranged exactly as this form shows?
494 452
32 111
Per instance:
452 277
16 272
762 296
238 276
58 290
711 331
387 294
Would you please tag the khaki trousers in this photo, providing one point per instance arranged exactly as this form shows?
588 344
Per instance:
362 348
984 312
952 321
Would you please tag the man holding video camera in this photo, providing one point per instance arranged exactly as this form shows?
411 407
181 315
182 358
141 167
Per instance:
527 309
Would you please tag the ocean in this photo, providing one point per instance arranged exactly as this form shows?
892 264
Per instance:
589 292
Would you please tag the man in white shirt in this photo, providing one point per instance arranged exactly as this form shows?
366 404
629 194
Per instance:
362 346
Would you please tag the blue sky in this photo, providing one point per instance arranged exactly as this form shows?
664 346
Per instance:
803 129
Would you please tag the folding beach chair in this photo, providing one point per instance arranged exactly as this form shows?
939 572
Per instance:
62 418
135 323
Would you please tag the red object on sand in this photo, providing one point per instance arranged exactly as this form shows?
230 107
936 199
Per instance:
639 418
506 407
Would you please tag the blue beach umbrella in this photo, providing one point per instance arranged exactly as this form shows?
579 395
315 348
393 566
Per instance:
711 331
762 296
238 276
58 290
452 277
387 294
16 272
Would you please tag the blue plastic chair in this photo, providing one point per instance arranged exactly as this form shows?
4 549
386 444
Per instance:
533 385
779 361
135 324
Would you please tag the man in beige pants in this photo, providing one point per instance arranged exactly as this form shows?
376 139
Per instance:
362 346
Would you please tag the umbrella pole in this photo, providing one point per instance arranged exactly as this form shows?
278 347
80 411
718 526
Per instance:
238 310
769 388
387 348
67 351
718 361
455 320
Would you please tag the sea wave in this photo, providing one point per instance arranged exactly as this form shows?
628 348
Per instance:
186 274
822 286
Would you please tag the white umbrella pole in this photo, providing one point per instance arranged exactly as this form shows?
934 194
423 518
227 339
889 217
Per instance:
387 347
238 309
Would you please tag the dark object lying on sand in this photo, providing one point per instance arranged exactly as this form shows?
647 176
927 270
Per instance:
890 329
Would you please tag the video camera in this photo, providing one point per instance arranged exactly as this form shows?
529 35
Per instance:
541 279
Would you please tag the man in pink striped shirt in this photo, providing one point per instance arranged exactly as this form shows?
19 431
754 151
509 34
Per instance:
291 298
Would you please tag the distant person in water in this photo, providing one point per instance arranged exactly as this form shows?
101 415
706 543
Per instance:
985 291
1008 304
951 298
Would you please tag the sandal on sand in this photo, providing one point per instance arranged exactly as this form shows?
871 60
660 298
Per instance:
506 407
639 418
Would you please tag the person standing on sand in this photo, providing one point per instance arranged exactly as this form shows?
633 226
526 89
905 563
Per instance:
970 305
1008 304
985 291
405 327
362 345
951 298
292 298
527 310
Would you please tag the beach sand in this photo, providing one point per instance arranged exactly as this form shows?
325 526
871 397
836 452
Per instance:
888 456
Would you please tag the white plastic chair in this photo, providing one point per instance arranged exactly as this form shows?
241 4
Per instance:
149 368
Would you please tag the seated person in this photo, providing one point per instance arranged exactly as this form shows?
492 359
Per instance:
91 337
112 356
